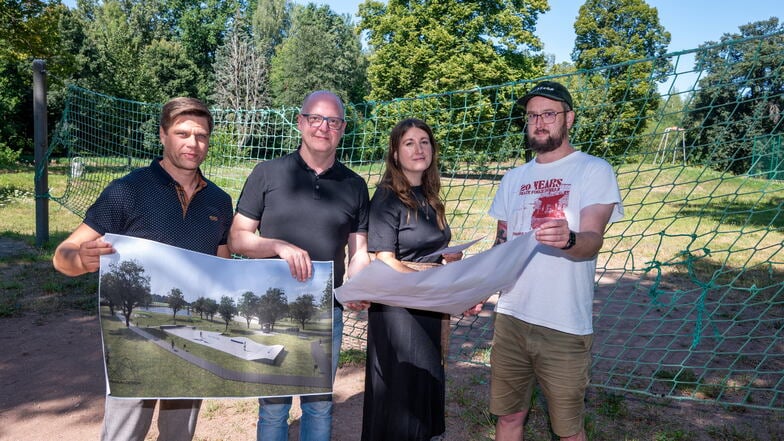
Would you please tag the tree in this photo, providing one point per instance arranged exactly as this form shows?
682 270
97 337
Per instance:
241 83
272 306
28 30
227 310
109 52
240 71
176 301
445 45
303 309
198 307
166 71
248 306
202 27
321 51
738 103
611 32
614 31
126 286
326 296
210 308
271 21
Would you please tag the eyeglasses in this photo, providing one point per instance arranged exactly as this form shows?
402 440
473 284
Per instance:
547 117
315 120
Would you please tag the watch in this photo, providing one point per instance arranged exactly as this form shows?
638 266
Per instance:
572 239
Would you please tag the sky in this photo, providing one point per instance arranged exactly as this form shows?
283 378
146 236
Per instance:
195 274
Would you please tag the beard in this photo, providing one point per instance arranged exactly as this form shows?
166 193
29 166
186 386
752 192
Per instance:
553 140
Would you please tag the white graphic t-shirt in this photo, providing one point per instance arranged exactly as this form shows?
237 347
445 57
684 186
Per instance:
554 291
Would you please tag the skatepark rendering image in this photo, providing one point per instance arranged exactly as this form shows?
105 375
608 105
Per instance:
199 361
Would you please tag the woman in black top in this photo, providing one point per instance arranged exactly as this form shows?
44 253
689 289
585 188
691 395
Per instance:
404 375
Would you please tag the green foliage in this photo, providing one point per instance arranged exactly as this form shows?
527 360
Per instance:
326 295
224 149
125 286
740 103
8 156
272 306
28 29
303 309
201 28
435 46
352 357
176 301
227 310
616 31
320 52
167 71
610 33
247 305
270 22
16 100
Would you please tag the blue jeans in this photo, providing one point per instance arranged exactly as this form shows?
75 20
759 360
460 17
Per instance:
316 422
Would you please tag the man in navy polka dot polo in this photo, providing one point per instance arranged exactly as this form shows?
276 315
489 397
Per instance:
170 202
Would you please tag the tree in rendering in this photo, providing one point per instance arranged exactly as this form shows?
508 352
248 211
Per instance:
176 301
303 309
227 310
125 286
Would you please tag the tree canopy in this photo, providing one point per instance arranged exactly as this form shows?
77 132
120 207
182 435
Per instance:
272 306
227 310
735 109
126 286
321 51
612 32
303 309
442 45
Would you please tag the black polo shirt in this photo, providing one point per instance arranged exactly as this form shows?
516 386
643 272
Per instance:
410 234
145 203
315 212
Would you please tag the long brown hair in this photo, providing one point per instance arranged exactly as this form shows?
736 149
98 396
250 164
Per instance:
396 181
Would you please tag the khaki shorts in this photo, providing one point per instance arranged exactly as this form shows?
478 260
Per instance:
523 354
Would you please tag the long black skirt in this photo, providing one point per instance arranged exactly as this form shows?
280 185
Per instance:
404 376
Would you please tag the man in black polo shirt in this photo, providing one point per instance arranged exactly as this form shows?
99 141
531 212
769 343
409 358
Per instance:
169 202
306 206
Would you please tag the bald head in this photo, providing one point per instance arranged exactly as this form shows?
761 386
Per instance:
322 95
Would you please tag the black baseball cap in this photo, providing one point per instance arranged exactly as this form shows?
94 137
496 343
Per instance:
547 89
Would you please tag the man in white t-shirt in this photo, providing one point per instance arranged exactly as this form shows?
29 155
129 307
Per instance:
543 325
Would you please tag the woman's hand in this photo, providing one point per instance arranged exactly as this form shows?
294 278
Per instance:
474 310
452 257
358 306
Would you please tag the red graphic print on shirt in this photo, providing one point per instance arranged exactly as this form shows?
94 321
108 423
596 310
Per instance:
551 199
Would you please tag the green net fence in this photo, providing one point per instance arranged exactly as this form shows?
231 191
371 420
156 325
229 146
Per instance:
689 286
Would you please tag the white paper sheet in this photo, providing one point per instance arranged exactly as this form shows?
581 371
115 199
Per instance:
452 288
454 248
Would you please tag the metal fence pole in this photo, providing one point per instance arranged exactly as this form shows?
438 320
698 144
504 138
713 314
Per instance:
41 146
